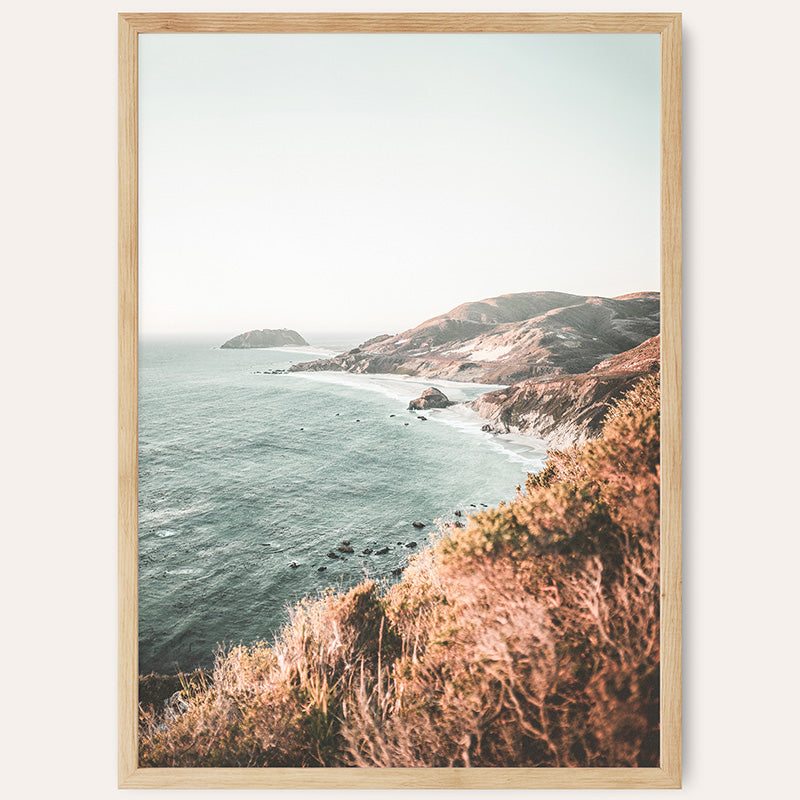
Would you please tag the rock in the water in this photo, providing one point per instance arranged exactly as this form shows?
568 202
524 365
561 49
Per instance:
344 548
411 544
321 569
424 419
430 398
418 524
332 555
294 565
266 338
367 551
457 513
382 551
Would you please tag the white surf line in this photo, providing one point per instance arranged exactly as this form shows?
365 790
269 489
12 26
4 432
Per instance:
405 386
526 450
310 350
517 447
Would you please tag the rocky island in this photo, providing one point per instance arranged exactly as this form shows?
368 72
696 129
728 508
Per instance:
267 337
563 358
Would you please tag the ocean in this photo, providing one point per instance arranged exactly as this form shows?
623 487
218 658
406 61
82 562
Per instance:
242 473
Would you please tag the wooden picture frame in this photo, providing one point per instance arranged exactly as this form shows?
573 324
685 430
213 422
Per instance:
668 774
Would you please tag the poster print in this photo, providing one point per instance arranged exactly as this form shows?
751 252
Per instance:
399 383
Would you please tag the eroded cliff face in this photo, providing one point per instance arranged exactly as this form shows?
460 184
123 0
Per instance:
508 339
568 409
267 337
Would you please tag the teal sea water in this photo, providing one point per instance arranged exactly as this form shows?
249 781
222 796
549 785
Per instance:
242 473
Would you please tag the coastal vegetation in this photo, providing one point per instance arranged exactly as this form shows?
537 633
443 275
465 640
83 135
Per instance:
528 637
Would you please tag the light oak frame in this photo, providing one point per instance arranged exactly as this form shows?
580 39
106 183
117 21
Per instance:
668 774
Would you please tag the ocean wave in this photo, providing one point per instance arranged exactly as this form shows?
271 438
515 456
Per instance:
400 387
525 450
308 350
160 516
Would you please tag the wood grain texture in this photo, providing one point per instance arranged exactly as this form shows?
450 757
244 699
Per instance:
399 23
668 775
127 566
671 435
411 778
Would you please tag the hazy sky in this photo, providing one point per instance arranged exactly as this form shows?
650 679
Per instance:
369 182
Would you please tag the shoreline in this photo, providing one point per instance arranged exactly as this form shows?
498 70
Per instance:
459 416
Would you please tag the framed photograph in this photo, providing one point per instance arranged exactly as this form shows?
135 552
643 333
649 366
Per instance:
399 387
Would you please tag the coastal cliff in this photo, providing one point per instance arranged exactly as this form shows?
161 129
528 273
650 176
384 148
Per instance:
565 357
568 409
508 339
267 337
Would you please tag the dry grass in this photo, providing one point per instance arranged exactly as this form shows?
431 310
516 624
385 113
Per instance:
529 638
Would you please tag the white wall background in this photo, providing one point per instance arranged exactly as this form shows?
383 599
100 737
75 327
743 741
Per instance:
58 401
